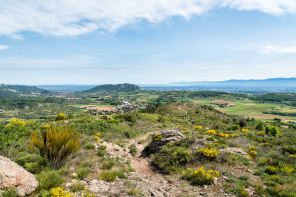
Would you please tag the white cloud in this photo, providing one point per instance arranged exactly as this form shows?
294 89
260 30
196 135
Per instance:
3 47
278 49
75 17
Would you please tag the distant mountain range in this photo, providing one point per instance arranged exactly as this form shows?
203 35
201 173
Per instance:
290 82
234 85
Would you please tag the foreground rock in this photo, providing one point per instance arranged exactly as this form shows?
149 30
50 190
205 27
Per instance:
14 176
169 136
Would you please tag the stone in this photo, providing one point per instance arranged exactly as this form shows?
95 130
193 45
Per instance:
169 136
14 176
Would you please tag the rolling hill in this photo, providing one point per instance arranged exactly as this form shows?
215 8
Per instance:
7 91
126 87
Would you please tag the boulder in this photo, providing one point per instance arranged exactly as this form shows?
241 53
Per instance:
14 176
169 136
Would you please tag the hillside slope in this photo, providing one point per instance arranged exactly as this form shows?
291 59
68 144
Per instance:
126 87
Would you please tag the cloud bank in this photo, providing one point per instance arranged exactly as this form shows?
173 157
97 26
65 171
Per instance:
278 49
75 17
3 47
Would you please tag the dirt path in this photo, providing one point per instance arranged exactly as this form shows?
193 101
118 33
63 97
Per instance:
140 161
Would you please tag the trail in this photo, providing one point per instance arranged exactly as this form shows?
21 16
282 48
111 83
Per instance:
140 161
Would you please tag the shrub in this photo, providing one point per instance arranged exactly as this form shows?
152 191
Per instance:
82 173
133 149
12 192
89 146
213 132
157 137
102 150
272 130
56 145
110 176
59 191
200 176
271 170
259 126
108 163
286 170
61 116
133 192
289 149
208 154
170 158
244 177
241 192
49 179
197 127
77 186
245 130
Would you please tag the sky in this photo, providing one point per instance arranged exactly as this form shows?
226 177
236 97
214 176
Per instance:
145 41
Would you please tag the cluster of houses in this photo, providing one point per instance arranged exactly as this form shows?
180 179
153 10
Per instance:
126 107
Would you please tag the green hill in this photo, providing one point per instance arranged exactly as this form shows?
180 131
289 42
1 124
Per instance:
19 90
126 87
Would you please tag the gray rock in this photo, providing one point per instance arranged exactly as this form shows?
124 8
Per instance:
14 176
169 136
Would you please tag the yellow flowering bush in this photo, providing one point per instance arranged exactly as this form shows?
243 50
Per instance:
200 176
293 156
208 153
16 122
287 170
97 137
245 130
182 128
252 152
60 192
46 126
157 137
61 116
252 148
271 170
224 135
214 132
197 127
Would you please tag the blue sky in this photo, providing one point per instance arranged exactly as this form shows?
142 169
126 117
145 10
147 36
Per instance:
145 42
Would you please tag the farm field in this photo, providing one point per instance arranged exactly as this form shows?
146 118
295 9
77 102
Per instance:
249 108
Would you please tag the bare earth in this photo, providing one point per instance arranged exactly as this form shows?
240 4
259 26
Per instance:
222 102
98 107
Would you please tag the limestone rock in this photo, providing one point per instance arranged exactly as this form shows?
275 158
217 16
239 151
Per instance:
169 136
14 176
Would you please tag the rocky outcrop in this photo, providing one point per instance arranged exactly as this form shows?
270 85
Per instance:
14 176
169 136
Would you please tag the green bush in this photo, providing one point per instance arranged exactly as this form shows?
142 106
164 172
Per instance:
108 163
82 173
77 186
49 179
271 170
110 176
133 149
12 192
133 192
89 146
272 130
171 158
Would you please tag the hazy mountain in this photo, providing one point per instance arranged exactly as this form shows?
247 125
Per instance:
21 90
126 87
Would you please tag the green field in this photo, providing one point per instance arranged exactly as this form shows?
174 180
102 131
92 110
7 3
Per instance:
250 108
